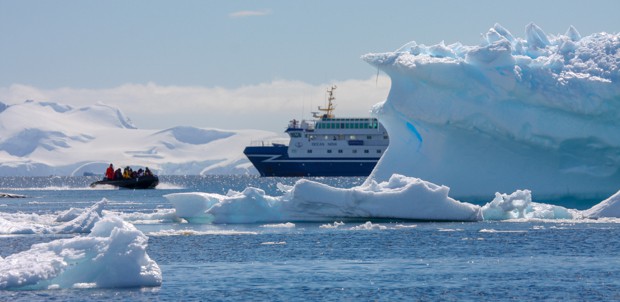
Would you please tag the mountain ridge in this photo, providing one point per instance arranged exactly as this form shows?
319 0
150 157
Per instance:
49 138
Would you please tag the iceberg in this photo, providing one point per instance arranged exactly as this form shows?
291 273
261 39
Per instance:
400 198
69 222
112 255
540 113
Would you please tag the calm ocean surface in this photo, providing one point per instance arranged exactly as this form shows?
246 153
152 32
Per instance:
358 261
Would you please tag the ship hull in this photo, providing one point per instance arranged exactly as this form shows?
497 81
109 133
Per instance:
274 161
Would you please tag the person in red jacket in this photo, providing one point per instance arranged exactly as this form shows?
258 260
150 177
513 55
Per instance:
109 173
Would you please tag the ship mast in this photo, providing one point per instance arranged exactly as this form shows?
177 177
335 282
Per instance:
329 111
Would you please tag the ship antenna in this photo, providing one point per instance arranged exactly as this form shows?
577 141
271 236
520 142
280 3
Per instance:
329 111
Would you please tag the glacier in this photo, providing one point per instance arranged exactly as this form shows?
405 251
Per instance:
540 113
39 138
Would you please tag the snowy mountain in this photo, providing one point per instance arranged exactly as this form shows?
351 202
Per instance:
540 113
47 138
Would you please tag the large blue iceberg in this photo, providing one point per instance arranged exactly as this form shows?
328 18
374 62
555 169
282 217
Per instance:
540 113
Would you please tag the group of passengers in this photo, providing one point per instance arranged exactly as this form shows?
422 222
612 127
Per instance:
111 174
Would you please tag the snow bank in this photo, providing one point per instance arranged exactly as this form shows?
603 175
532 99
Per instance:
112 255
541 113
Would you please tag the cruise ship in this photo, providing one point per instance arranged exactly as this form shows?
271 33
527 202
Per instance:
323 146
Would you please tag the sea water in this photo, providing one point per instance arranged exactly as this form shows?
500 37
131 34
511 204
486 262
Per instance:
329 261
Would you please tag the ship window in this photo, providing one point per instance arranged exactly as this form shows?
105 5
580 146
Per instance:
385 137
342 125
329 151
295 134
354 150
339 151
365 151
378 150
369 137
309 150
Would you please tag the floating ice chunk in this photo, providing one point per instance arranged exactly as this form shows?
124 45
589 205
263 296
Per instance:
112 255
84 222
159 216
400 197
249 206
505 206
334 225
10 227
193 206
70 221
288 225
519 205
368 226
69 214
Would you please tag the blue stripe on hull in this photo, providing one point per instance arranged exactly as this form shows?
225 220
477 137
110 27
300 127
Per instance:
274 161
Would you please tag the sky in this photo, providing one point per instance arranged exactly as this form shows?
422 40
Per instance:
242 64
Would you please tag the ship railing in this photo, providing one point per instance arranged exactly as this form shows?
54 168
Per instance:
268 143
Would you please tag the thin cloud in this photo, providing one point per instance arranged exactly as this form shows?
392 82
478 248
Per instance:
267 106
250 13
